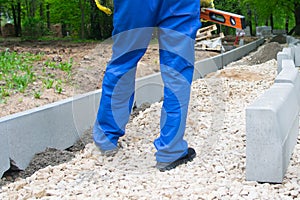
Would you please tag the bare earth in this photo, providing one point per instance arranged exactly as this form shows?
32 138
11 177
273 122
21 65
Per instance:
89 62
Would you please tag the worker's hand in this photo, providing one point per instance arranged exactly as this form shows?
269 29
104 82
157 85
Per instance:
207 3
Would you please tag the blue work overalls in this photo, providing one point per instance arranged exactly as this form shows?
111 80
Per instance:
134 20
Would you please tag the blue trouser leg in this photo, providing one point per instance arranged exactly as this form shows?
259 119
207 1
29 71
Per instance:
176 38
118 83
117 97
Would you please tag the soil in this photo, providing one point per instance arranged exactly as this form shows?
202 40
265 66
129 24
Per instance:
281 39
90 60
57 51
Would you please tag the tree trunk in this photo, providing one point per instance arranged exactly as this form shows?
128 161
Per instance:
32 8
82 7
287 24
106 21
19 10
250 21
267 23
13 8
255 19
297 18
48 15
271 22
42 16
0 19
95 22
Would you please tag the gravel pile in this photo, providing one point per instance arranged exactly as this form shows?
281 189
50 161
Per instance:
215 128
264 53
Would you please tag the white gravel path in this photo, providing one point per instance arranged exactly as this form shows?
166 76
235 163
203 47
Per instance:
215 128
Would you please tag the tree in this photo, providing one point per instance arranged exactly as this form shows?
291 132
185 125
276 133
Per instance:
297 17
279 9
82 4
81 18
16 10
0 18
101 24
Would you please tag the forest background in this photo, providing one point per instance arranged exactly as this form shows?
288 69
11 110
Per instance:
81 19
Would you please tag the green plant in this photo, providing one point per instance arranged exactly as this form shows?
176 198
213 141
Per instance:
48 83
3 100
49 64
16 72
37 94
64 66
4 92
58 87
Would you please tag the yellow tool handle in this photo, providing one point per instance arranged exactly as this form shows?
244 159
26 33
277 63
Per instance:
103 8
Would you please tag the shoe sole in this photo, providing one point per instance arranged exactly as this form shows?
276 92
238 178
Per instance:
179 162
109 153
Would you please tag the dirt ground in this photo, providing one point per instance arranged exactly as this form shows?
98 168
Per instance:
90 60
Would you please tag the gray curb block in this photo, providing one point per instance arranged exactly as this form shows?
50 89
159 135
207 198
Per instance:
60 124
289 74
294 46
272 123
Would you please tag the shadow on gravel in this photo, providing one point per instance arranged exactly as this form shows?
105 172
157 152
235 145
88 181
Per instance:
46 158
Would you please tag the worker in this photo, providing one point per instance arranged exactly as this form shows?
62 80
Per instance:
238 34
134 21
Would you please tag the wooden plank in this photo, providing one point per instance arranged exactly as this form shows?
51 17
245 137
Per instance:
205 32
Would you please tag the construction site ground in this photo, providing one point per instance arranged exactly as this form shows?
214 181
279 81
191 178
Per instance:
89 64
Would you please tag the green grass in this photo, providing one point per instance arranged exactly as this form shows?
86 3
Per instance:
63 66
17 74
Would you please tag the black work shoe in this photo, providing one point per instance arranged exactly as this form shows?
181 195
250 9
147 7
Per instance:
109 153
171 165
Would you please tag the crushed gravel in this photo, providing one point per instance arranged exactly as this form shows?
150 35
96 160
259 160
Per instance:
215 128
